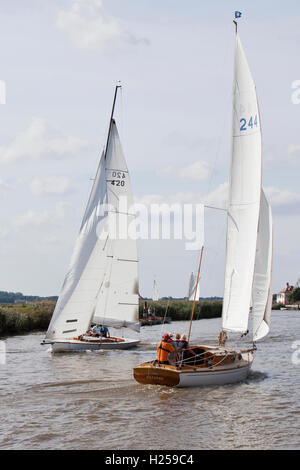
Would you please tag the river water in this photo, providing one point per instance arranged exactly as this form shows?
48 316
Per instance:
91 401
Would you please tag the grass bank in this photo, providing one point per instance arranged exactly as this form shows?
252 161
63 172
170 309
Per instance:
24 318
179 310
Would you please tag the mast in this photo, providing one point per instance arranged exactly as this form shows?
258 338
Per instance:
111 118
195 293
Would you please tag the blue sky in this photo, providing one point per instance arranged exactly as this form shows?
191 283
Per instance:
61 60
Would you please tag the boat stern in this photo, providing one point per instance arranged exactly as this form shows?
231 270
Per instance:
152 374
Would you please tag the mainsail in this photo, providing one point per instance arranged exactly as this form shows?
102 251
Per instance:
102 281
262 281
155 291
244 197
118 301
192 285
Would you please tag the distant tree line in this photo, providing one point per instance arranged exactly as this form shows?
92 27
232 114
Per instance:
12 297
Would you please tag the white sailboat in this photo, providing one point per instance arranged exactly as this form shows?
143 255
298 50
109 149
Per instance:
193 286
155 291
248 273
101 285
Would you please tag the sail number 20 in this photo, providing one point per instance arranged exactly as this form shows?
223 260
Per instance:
251 123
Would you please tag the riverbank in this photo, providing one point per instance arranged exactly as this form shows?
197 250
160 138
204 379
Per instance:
35 316
24 318
180 310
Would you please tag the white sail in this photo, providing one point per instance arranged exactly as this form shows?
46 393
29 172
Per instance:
102 280
117 300
155 291
74 308
262 282
244 198
192 285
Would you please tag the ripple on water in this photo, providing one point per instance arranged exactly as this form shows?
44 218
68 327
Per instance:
90 400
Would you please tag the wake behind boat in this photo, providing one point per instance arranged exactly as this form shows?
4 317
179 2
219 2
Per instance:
101 285
248 273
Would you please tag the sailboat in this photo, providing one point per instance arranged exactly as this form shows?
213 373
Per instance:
155 291
101 285
248 273
193 287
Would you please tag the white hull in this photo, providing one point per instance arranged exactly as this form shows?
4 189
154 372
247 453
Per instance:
220 377
77 346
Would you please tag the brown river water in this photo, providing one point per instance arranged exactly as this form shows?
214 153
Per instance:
91 401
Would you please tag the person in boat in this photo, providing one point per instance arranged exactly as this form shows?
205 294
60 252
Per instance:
104 332
183 350
95 331
222 338
164 348
177 341
245 334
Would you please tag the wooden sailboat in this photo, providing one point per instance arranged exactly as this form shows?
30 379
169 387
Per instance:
248 256
101 285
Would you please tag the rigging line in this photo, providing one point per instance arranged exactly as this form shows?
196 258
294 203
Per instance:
164 317
194 302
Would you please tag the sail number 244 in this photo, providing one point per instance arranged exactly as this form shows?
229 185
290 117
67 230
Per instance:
245 124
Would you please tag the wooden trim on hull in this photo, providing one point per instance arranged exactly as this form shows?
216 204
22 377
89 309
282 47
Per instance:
174 377
234 367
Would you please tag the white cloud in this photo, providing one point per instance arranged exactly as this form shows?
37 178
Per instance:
4 187
37 219
50 185
293 152
196 171
37 141
218 197
283 197
88 27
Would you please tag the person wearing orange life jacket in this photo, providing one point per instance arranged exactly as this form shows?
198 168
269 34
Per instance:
164 348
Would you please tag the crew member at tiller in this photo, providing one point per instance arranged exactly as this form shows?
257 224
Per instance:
164 348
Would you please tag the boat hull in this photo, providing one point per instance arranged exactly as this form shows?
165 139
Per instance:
77 346
152 373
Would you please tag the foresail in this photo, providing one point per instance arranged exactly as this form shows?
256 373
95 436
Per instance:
155 291
117 300
262 281
244 198
76 303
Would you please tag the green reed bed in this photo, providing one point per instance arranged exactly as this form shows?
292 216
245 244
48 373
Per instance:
181 309
24 318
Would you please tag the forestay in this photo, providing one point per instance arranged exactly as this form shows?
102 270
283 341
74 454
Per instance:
262 282
244 197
